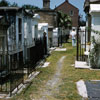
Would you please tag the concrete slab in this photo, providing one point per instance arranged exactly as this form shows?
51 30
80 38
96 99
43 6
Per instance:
95 69
52 48
46 64
60 49
93 89
81 87
94 99
86 53
81 65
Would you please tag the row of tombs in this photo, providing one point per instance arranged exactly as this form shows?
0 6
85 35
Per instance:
23 42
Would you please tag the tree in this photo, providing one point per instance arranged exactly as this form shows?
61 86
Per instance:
81 21
4 3
30 7
64 20
14 5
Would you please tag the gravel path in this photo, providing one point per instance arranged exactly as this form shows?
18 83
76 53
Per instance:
52 86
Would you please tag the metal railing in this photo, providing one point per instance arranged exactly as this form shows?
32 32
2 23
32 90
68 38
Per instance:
12 65
37 53
81 45
11 73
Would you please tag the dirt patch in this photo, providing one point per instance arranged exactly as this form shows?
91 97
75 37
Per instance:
52 86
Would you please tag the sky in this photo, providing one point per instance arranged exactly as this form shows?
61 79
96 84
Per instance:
78 3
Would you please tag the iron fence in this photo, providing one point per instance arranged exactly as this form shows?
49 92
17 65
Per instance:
12 66
37 53
81 45
11 73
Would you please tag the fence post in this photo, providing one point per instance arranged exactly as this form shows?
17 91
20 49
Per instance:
77 51
85 39
80 56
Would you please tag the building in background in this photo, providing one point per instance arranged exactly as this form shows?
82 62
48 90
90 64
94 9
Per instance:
49 16
69 9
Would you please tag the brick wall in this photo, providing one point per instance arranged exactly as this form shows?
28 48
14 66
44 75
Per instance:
66 7
47 17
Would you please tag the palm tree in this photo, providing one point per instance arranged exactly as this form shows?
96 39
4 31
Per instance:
31 7
64 22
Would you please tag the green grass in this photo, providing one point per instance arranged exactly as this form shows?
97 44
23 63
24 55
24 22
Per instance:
69 77
39 82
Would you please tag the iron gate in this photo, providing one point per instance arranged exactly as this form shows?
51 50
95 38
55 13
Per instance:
81 45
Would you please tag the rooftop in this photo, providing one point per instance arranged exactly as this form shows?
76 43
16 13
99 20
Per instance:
9 8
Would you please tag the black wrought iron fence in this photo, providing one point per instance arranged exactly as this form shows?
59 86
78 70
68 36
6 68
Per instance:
12 66
4 74
16 70
11 73
37 53
81 45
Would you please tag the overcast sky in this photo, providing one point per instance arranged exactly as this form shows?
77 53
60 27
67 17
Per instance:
78 3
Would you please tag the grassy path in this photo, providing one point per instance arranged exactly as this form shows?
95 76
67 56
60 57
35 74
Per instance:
52 86
68 76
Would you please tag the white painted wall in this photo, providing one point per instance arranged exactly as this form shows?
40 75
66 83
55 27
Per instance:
95 25
82 35
28 33
95 15
55 37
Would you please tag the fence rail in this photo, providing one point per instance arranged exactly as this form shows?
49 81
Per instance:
12 66
81 45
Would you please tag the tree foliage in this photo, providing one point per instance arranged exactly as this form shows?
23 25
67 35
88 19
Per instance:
4 3
30 7
14 5
82 22
64 20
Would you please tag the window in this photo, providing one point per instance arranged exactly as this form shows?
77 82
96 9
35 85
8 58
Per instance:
2 43
96 21
25 30
36 33
20 29
71 13
19 25
20 37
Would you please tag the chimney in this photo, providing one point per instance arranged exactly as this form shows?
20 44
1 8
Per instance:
46 4
66 0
